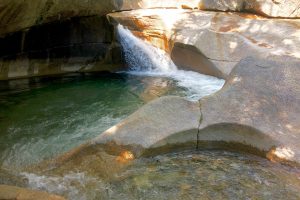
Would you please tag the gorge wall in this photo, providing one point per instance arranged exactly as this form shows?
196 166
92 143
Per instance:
46 37
212 42
80 44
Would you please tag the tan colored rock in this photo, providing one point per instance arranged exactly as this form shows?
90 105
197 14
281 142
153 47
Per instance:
269 8
263 96
257 111
257 108
153 123
16 193
16 15
222 5
213 42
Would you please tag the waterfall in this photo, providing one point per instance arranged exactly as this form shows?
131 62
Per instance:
143 57
146 60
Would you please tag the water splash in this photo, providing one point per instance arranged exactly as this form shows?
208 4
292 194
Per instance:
143 57
147 60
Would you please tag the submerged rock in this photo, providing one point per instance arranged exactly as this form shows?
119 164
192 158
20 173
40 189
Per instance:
212 42
12 193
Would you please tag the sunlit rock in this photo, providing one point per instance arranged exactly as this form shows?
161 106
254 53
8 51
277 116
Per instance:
153 123
16 15
269 8
12 193
265 98
212 42
253 112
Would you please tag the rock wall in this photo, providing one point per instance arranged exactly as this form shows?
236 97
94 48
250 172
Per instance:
16 15
45 37
76 45
48 37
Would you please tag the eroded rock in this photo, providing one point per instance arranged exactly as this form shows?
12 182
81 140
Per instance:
261 94
47 37
212 42
257 110
16 15
153 123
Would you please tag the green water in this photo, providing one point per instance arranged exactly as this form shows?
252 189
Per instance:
41 118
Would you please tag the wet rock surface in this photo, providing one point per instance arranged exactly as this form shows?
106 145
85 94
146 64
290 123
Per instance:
206 175
16 193
182 175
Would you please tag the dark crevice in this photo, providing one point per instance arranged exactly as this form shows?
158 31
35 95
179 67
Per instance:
59 38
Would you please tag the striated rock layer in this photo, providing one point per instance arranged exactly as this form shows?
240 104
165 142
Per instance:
212 42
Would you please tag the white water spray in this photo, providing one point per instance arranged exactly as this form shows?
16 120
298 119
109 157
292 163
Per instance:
147 60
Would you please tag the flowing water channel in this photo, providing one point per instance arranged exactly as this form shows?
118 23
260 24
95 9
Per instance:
41 118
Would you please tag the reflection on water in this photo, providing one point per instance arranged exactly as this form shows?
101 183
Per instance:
185 175
40 118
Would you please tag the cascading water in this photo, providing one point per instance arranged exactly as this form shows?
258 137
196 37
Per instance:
147 60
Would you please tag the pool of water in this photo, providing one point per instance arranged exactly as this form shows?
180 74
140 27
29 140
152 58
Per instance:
183 175
40 118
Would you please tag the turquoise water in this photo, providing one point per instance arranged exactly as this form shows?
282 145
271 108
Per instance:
41 118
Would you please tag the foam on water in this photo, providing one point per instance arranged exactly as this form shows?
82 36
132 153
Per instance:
147 60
